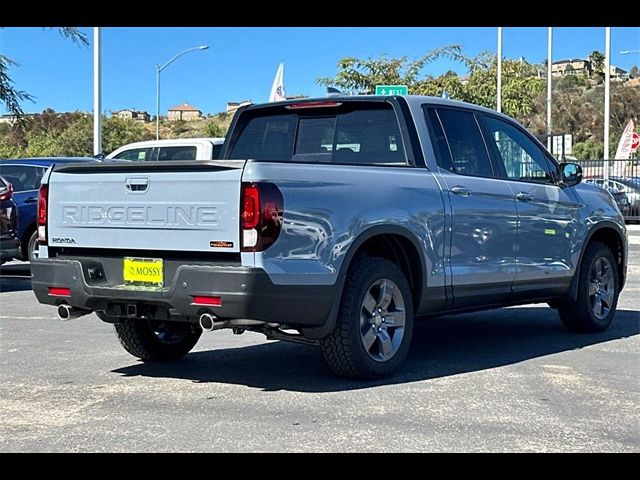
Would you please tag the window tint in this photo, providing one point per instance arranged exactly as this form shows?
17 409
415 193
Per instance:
266 138
443 156
217 150
522 158
367 135
465 142
177 153
23 178
135 155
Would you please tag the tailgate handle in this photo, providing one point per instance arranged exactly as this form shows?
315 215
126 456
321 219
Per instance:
136 184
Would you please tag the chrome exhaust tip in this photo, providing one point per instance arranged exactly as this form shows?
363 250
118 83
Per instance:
206 322
67 312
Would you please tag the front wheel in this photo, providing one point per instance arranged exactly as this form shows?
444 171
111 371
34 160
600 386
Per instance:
373 330
154 340
598 290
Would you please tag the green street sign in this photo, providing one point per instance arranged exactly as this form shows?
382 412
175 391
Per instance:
392 90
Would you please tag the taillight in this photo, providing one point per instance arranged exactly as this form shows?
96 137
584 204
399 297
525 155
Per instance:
7 193
250 207
261 215
43 196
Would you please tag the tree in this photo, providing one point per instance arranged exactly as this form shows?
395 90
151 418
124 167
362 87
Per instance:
361 76
521 82
214 130
633 72
597 63
9 94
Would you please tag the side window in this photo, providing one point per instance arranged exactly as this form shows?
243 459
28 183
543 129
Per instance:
522 158
439 141
135 155
23 178
177 153
467 148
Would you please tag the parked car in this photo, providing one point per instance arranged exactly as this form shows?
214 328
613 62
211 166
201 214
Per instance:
334 222
621 198
9 242
631 188
181 149
25 175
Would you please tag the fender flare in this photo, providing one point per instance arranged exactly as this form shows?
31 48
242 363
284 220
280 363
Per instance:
573 288
324 330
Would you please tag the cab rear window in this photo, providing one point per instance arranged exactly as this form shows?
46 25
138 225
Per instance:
359 134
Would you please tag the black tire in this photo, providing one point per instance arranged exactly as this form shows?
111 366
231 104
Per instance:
580 315
141 338
344 348
32 247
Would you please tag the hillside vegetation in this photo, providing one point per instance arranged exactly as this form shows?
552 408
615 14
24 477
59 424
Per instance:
578 105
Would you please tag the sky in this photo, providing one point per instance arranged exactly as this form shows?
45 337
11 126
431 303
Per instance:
241 63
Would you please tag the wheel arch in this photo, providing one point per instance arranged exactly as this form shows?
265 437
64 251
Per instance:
383 241
611 235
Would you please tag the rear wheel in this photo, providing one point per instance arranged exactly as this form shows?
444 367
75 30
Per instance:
373 330
157 340
33 247
598 291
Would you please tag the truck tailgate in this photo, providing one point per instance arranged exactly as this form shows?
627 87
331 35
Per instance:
185 206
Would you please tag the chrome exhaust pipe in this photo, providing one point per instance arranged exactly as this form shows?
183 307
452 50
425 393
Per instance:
67 312
206 322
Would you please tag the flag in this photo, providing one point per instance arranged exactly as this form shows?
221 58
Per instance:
626 140
277 90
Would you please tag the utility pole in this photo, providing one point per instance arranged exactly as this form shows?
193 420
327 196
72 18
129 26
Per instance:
97 107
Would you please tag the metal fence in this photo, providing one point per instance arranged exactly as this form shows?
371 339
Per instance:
622 181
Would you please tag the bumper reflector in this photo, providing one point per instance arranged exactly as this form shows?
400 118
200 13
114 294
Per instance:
59 292
211 301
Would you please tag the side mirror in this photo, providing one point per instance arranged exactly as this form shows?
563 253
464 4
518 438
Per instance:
570 174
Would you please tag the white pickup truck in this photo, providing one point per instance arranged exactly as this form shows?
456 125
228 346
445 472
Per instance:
170 150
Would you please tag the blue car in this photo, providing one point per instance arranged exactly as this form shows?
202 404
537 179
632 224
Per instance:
25 175
9 243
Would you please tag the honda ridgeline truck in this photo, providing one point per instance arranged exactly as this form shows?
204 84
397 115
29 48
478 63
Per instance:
336 222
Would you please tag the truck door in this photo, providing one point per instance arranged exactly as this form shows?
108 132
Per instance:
547 213
482 262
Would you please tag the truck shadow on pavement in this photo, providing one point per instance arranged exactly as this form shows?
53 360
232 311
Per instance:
441 347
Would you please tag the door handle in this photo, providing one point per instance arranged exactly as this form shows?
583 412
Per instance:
462 191
31 200
524 197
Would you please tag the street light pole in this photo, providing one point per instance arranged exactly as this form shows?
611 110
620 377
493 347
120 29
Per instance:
626 52
549 64
159 68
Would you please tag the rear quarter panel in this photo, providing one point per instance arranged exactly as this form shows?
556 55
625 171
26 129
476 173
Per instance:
327 208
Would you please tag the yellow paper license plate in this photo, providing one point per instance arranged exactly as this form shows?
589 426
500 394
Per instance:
143 271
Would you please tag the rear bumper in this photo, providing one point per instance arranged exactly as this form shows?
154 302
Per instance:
9 248
246 293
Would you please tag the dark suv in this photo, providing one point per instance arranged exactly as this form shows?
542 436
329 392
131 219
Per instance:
9 243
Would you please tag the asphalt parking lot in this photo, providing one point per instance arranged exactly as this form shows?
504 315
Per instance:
502 380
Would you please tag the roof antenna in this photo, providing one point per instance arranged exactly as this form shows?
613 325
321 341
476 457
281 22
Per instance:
333 92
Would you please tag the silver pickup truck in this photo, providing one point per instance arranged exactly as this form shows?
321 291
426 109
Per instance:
335 222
